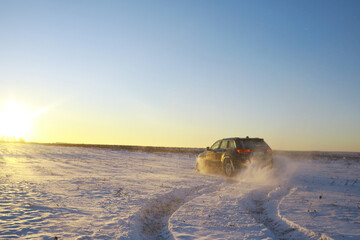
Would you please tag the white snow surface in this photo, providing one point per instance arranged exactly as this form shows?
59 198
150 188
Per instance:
57 192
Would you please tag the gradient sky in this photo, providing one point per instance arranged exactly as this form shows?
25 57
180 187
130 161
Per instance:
185 73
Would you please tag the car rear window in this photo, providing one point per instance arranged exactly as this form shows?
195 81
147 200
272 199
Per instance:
255 143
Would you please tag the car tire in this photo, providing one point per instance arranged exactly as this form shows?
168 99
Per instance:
228 167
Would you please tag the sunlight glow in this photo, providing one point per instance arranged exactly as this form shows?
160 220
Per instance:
16 121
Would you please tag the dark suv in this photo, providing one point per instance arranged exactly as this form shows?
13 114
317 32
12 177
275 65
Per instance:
229 154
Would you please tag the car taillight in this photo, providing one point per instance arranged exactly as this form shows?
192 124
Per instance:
269 150
243 150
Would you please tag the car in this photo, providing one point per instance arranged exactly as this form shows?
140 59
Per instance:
231 154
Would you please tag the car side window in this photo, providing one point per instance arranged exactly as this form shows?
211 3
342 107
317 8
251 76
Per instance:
231 144
216 145
224 144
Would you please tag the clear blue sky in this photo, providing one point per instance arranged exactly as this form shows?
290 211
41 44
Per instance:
185 73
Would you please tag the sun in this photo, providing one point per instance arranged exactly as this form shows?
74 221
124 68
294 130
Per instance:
15 121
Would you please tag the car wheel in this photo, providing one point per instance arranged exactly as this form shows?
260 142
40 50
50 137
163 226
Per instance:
228 168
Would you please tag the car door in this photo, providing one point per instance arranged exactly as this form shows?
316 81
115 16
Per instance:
221 150
242 155
211 154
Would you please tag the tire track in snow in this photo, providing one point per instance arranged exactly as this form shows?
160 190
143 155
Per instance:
263 204
152 219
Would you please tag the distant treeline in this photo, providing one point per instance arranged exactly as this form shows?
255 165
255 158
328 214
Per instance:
299 155
131 148
316 155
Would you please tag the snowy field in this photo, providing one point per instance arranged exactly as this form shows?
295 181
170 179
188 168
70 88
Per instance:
57 192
